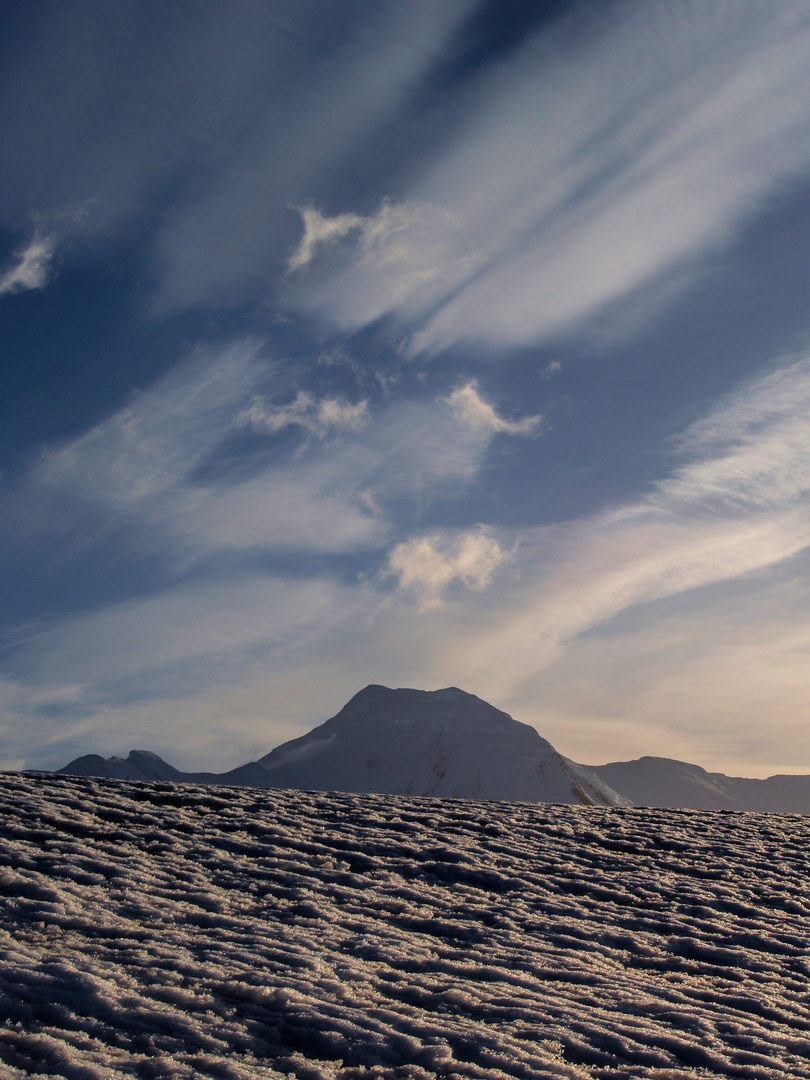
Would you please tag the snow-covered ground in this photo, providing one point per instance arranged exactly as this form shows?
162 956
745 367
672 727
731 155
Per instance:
162 931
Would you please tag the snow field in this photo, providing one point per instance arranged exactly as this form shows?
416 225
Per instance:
164 931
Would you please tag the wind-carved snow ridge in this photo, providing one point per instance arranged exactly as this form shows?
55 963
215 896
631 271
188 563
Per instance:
181 931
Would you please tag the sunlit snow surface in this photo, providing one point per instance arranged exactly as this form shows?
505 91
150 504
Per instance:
159 931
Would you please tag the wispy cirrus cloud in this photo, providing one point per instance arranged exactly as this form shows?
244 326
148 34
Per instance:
32 268
508 613
156 471
738 507
153 444
317 417
753 450
210 154
574 184
144 468
229 240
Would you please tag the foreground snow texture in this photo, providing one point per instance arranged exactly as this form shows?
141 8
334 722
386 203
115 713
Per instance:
158 930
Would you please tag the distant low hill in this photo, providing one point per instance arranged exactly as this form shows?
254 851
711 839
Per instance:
451 744
664 782
145 766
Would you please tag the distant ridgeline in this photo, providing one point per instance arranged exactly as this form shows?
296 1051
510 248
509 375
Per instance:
450 744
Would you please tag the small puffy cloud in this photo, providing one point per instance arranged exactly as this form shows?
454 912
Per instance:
32 268
321 230
430 563
471 409
317 417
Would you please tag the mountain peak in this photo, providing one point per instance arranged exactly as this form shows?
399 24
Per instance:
445 743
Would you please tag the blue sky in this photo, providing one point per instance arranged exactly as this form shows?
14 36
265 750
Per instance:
415 343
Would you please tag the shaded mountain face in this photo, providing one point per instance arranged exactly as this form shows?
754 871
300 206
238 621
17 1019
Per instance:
665 782
444 743
145 766
138 765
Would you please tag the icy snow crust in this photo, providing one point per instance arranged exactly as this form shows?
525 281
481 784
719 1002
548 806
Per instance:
159 930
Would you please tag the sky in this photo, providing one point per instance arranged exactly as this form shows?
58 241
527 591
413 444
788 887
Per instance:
417 343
